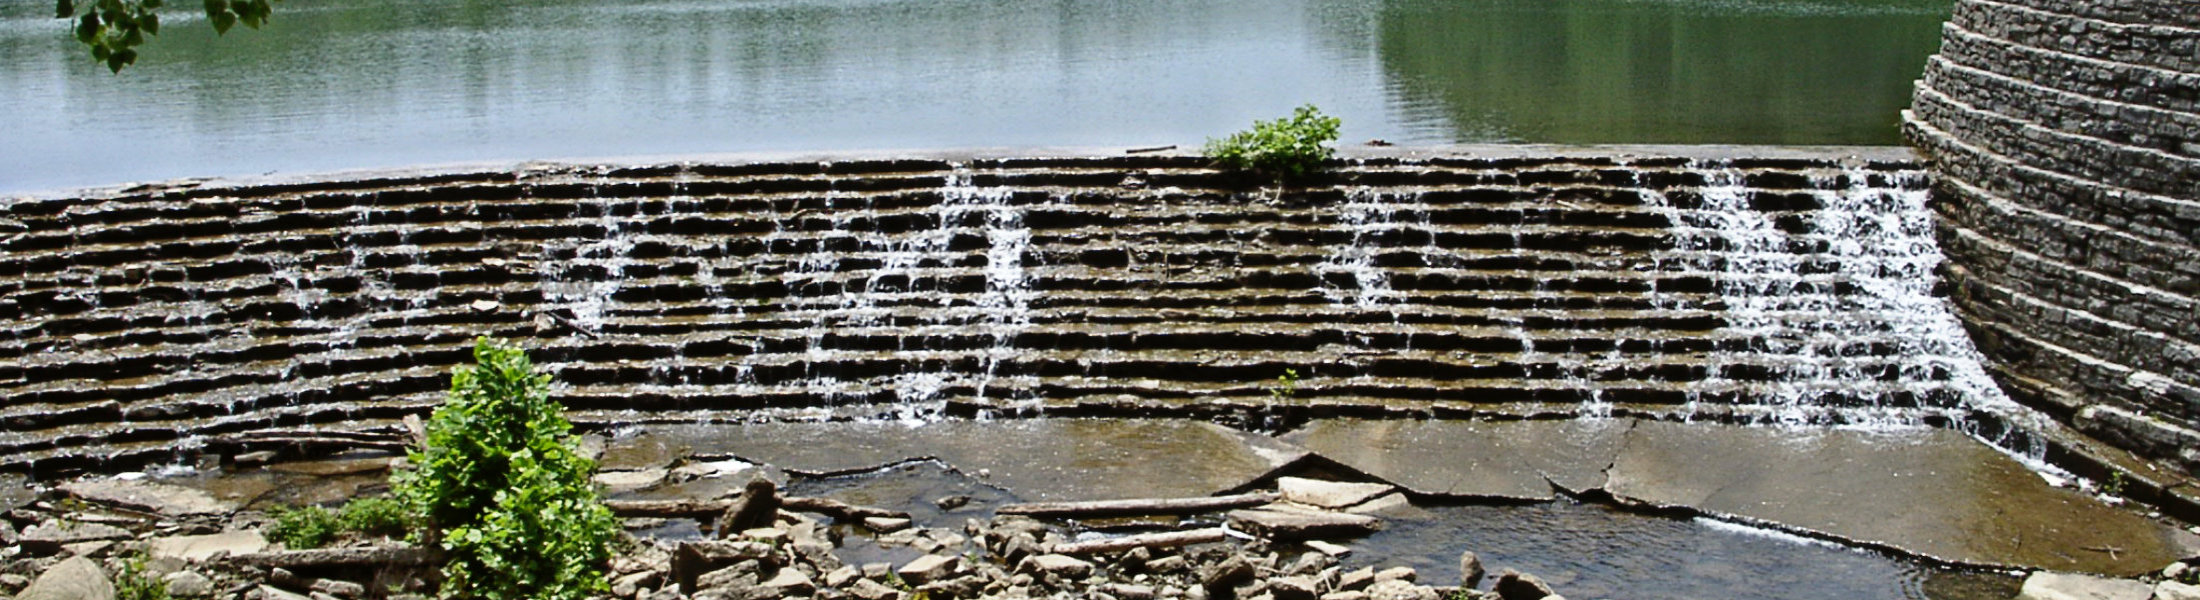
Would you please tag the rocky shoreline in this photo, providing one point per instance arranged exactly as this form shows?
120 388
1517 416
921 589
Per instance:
91 538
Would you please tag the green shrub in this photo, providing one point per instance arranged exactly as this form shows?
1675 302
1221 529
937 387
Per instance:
376 516
133 582
303 527
1285 148
501 485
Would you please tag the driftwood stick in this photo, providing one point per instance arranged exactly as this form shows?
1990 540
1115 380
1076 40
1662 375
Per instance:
669 509
836 509
1141 506
1169 539
1149 149
700 509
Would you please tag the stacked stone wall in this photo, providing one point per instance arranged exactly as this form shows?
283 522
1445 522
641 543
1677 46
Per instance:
2066 134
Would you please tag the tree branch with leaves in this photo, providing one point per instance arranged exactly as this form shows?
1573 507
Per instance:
113 29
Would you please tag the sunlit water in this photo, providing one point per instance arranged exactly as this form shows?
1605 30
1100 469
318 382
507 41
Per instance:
342 84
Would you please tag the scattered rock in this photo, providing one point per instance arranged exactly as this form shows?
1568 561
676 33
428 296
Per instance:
950 503
788 583
1356 579
188 584
149 496
52 536
2175 569
73 579
886 524
2172 590
1399 589
1329 494
1227 574
694 559
628 481
1333 550
2048 585
928 568
339 588
871 590
1406 574
1057 565
1515 585
195 548
1295 587
269 592
1470 569
1346 595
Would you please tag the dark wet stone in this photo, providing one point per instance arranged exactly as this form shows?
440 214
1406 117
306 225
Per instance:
1039 459
757 507
1487 459
1927 491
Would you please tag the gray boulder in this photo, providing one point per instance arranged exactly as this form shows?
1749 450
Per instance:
74 579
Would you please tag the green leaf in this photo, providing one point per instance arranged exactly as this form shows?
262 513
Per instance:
151 23
223 21
63 9
87 29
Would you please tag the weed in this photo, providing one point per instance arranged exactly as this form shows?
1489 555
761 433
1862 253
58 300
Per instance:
385 517
1287 149
2115 485
1286 386
303 527
134 583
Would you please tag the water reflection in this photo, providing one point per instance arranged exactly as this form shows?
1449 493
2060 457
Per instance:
352 83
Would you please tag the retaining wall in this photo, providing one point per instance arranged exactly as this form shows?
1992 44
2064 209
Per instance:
2066 137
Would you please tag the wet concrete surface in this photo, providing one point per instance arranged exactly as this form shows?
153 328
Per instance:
1926 491
1037 459
1591 552
1929 492
1511 460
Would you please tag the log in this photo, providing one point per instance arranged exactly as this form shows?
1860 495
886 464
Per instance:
1297 524
837 509
711 509
668 509
1140 506
1149 149
1169 539
342 557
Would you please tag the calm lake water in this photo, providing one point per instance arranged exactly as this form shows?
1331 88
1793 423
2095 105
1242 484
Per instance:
340 84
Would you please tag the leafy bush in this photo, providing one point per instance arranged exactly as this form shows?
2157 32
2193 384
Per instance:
1286 148
501 485
376 516
303 527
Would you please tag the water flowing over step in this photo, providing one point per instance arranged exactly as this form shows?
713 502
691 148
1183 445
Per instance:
139 324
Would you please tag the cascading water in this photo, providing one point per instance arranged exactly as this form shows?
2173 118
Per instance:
1831 308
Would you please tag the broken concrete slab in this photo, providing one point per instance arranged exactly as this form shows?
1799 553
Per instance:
1517 460
1925 491
1329 494
2049 585
1039 459
1287 522
149 496
52 536
195 548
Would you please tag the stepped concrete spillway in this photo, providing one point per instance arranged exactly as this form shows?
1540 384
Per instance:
152 323
2066 138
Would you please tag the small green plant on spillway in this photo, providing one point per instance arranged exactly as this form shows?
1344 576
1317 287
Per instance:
1287 149
1286 386
134 582
501 485
303 527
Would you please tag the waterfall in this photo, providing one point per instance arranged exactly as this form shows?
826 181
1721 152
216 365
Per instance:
1830 309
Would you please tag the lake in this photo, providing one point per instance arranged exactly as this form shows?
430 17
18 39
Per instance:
343 84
